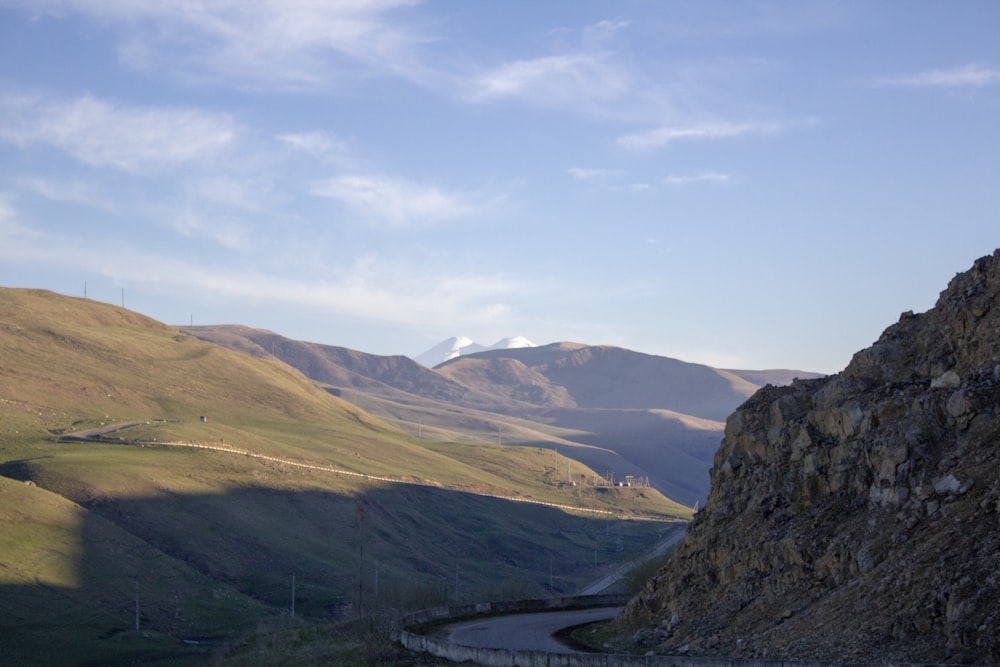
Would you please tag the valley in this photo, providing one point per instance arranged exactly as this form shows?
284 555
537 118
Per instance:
226 482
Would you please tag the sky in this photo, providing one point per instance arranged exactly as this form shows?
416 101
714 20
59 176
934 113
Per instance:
743 184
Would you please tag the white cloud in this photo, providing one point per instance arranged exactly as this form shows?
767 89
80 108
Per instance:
382 290
552 81
588 77
586 174
226 232
102 134
70 191
690 179
661 136
634 187
966 76
8 215
287 43
395 202
319 144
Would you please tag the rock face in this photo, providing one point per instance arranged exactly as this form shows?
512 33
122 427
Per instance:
854 517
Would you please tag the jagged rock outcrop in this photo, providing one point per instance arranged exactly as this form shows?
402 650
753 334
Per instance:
854 517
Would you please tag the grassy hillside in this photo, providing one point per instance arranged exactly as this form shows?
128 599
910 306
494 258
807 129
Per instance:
623 426
212 539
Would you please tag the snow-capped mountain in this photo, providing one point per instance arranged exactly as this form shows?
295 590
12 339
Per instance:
458 345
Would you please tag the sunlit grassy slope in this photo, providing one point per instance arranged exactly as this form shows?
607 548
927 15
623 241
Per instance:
212 540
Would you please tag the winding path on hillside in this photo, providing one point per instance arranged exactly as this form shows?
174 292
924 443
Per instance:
611 578
99 435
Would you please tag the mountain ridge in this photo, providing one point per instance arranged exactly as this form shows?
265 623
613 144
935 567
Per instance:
610 408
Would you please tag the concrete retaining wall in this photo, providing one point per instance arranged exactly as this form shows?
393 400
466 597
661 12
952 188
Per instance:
498 657
514 607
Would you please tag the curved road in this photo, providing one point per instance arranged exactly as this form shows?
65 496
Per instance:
536 631
523 632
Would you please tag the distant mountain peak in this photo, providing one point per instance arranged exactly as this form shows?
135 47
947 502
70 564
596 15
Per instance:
457 346
511 342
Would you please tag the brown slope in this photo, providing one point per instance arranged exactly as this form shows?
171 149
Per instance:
340 367
83 358
509 381
855 518
599 376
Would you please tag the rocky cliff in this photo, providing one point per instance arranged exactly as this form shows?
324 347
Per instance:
854 517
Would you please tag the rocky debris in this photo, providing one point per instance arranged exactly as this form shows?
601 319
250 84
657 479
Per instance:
854 517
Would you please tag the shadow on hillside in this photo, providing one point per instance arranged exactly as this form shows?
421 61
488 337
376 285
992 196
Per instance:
213 565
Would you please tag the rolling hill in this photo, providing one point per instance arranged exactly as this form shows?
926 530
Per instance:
229 475
613 410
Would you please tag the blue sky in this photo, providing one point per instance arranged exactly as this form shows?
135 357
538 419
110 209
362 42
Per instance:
744 184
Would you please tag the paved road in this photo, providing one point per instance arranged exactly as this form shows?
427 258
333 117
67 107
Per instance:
523 632
535 632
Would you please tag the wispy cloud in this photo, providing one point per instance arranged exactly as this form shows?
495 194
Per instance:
102 134
587 174
68 191
662 136
691 179
584 77
633 187
226 232
286 43
7 214
319 144
388 290
394 202
966 76
552 80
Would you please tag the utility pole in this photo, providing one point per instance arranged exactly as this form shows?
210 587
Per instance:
123 297
137 604
362 537
293 594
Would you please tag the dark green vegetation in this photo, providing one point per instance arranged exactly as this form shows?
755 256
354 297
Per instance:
209 542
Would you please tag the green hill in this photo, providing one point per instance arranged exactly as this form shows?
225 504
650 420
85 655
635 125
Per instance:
209 540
